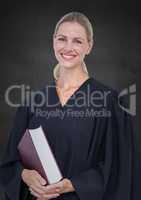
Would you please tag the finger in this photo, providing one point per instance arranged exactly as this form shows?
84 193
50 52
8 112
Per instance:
51 196
41 199
34 193
58 187
52 190
48 192
37 187
41 180
54 186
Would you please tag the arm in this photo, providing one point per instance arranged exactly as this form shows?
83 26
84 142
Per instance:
10 167
111 177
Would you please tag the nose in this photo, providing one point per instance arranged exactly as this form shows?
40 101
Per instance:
68 46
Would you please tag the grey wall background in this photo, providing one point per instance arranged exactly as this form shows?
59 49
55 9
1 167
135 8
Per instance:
26 48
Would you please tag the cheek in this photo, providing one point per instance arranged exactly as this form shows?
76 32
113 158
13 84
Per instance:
58 46
81 49
82 52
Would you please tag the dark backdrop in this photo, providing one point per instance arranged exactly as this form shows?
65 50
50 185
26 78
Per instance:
26 47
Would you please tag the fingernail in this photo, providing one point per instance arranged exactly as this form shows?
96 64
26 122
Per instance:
43 183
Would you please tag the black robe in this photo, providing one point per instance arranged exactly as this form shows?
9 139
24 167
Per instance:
92 143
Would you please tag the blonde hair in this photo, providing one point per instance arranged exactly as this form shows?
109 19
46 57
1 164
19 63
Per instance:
57 69
83 21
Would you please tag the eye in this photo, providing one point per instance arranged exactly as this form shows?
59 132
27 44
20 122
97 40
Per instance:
61 39
78 41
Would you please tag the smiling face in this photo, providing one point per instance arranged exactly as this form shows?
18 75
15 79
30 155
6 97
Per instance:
71 44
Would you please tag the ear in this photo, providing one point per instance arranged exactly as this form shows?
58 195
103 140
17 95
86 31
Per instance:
89 48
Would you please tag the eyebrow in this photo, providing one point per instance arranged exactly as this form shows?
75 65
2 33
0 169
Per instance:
66 37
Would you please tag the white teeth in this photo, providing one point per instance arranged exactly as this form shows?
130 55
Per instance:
68 56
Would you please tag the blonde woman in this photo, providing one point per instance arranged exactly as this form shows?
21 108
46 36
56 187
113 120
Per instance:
92 141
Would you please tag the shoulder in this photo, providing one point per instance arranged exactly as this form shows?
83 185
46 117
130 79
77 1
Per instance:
102 89
113 98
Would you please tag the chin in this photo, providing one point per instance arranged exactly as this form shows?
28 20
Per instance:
67 64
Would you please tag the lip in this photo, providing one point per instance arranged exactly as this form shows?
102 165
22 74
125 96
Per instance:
68 56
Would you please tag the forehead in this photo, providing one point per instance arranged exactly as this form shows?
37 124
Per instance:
72 29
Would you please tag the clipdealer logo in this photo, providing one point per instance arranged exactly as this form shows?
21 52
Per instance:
26 93
131 93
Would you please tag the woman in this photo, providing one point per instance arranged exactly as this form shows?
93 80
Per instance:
92 142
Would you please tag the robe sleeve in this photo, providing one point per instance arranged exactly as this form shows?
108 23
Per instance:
111 177
10 166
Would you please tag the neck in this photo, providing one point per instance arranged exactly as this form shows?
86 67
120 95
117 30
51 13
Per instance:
72 77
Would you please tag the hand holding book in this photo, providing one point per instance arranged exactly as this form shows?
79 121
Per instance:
36 185
40 166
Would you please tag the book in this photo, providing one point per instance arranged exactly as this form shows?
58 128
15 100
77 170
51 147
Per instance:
35 153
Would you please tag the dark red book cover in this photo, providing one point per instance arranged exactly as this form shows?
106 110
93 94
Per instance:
30 157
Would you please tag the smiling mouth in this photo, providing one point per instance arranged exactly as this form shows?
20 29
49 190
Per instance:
68 56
